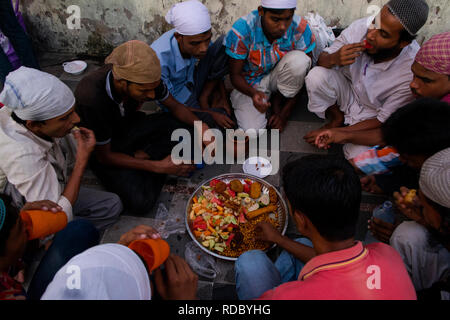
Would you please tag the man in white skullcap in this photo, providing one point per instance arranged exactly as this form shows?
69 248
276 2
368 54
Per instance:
424 242
192 66
35 139
270 54
364 76
115 272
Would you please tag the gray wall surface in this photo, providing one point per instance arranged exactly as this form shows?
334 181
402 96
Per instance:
104 24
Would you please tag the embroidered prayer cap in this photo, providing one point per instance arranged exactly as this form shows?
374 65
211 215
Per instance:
36 95
189 18
412 14
435 178
434 55
136 62
279 4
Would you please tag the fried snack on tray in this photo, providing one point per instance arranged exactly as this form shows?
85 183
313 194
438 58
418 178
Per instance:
236 186
255 190
253 214
220 187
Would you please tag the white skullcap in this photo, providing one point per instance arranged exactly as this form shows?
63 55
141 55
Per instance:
36 95
189 18
106 272
279 4
435 178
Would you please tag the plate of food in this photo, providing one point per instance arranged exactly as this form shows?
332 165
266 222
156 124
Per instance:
257 166
75 68
222 214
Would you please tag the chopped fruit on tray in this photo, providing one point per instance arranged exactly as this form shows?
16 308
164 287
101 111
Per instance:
224 216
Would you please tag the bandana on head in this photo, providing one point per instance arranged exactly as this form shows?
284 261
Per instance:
136 62
189 18
435 54
279 4
36 95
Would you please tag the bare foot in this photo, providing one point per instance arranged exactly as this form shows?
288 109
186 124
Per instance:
368 184
311 136
337 119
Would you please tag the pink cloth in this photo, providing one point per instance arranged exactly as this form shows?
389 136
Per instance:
349 275
435 54
446 99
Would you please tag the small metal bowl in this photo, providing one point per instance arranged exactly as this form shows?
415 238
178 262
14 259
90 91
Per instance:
283 210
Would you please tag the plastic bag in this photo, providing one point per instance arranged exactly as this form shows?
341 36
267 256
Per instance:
170 224
203 264
324 34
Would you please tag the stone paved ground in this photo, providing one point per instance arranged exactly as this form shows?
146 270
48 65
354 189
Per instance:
177 191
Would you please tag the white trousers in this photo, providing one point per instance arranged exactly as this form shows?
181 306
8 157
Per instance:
327 87
426 264
288 77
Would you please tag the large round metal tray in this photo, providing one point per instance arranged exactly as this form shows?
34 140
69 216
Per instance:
283 210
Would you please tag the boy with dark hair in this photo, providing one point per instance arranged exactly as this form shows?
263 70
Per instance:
419 130
269 51
324 194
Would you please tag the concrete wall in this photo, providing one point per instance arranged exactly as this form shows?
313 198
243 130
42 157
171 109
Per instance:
107 23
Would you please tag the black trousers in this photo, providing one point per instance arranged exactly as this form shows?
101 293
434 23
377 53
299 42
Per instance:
139 189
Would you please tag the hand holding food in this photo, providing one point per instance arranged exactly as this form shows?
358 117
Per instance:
266 232
409 198
408 204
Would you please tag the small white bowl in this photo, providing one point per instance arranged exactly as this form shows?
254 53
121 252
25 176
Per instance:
257 166
75 67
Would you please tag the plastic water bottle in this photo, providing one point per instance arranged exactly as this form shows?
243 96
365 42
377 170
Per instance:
384 212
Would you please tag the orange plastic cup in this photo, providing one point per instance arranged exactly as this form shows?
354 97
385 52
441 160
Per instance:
153 251
40 224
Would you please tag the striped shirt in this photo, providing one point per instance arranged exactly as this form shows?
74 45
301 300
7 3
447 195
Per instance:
246 41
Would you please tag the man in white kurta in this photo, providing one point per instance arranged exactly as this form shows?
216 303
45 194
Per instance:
36 149
365 75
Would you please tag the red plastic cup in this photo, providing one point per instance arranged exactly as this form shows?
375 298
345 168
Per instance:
40 224
153 251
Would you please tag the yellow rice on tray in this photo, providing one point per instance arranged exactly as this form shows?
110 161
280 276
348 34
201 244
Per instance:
249 242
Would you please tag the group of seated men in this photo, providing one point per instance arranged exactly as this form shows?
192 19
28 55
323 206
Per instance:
365 85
